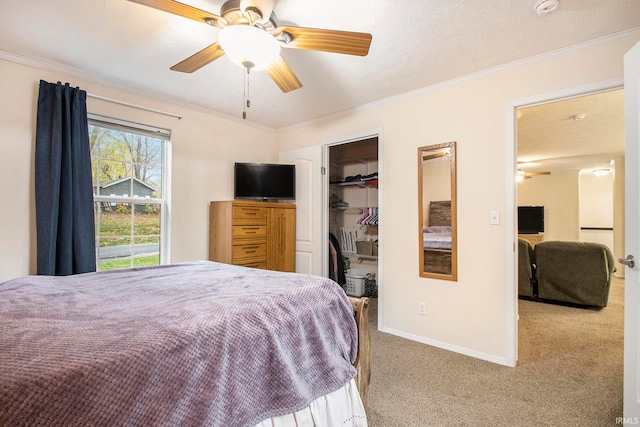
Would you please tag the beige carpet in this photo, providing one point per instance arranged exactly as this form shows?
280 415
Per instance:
569 373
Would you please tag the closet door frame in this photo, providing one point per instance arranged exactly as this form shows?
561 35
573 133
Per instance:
376 133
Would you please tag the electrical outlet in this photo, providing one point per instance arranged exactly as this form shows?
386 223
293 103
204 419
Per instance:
422 309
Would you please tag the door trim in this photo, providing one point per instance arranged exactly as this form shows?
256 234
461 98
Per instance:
511 196
376 133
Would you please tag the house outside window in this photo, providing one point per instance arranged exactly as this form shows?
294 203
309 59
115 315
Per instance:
130 186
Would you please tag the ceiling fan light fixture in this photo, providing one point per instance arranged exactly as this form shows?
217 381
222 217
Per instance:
249 47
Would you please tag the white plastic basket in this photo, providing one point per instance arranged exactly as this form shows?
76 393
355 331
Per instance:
355 281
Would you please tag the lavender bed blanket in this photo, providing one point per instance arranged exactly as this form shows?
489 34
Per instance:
189 344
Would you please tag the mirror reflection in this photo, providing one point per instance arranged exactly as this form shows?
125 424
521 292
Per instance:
437 204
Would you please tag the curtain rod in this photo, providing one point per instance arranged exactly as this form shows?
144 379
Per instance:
139 107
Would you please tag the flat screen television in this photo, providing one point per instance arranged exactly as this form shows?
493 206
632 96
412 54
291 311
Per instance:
530 219
264 181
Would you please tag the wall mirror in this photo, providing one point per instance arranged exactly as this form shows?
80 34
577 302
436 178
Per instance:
437 211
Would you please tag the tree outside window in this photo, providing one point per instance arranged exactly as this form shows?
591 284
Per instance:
128 171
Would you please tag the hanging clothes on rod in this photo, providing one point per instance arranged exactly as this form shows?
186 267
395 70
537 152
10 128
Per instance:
336 261
369 216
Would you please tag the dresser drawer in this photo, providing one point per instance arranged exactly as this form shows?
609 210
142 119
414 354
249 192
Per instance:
261 264
249 231
249 213
250 250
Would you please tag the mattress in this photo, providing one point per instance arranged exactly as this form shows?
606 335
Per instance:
198 343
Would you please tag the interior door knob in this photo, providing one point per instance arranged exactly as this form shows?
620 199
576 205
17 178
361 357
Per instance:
629 261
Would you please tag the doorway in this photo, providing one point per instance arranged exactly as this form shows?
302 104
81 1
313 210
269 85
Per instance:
560 141
353 214
562 145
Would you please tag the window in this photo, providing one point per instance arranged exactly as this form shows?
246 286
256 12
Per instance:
129 165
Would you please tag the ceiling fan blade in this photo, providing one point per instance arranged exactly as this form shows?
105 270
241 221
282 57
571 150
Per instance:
184 10
538 173
282 75
199 59
349 43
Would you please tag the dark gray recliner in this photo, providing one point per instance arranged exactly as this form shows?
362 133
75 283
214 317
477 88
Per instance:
574 272
526 268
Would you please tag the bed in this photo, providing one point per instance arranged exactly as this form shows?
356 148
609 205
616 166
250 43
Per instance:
436 238
198 343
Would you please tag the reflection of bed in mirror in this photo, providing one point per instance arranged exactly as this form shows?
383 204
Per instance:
437 238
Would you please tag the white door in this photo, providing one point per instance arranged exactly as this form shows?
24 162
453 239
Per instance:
309 245
632 236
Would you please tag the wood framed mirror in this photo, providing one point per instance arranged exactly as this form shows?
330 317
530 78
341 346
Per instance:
437 211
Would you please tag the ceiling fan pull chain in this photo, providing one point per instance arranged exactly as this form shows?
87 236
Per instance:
244 96
248 89
246 101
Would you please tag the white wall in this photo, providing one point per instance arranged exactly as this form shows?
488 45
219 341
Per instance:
596 200
572 200
470 315
436 183
596 208
618 215
558 193
204 149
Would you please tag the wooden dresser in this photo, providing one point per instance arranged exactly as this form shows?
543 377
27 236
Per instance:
253 234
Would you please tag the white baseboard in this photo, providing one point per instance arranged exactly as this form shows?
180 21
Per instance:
445 346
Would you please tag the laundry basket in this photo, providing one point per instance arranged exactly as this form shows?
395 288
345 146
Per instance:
355 281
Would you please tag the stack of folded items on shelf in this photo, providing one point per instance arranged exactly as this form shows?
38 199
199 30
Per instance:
371 179
337 202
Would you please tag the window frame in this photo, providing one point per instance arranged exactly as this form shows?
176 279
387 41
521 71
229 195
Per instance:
165 201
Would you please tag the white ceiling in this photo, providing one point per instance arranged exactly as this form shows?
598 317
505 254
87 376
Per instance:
586 132
416 44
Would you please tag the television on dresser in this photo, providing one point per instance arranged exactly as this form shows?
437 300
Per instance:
264 181
530 219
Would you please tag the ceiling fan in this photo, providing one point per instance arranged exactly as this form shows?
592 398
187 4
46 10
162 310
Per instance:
520 174
247 24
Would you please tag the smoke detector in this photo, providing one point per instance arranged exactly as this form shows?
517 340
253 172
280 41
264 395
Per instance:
545 7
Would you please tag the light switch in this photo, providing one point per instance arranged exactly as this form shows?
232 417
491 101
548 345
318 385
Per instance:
494 217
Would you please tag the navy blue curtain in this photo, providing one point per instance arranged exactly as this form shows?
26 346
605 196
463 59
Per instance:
63 184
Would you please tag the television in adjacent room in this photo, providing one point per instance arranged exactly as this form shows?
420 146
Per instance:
530 219
264 181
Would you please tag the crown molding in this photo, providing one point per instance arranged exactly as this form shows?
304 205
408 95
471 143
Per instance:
117 85
633 33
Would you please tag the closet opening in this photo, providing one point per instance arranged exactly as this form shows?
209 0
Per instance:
353 216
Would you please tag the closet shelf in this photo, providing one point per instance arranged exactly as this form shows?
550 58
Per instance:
356 209
360 256
361 184
348 208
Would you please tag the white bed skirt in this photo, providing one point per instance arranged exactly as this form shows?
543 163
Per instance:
342 408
